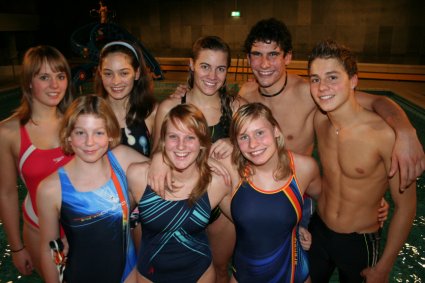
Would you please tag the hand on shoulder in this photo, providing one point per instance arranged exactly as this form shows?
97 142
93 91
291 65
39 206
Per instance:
180 91
248 88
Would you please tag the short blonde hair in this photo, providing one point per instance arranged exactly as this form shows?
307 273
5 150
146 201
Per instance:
89 104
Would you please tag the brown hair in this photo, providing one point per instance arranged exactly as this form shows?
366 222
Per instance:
33 60
190 116
89 104
215 43
330 49
243 116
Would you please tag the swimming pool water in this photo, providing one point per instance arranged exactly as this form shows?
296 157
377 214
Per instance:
410 264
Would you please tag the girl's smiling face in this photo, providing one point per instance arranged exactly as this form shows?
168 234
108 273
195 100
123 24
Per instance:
89 138
257 141
182 146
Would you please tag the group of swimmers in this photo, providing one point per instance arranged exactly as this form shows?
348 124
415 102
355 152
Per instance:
215 178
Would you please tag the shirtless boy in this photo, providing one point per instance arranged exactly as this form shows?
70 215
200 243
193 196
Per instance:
269 52
355 147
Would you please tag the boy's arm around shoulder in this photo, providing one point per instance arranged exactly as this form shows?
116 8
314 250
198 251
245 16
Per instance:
408 155
49 198
180 91
248 89
159 176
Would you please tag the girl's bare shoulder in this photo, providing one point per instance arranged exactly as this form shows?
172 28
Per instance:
9 126
9 133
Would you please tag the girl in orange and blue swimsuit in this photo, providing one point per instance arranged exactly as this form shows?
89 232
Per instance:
267 247
267 202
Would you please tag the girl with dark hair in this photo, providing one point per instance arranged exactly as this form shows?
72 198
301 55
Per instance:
124 80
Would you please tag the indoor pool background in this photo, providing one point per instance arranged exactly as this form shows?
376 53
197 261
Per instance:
410 265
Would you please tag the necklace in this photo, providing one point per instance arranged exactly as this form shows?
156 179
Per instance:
277 93
337 130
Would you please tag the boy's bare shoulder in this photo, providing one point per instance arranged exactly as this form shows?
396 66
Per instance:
379 128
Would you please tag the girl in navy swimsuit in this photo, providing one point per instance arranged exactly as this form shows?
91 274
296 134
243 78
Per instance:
266 206
174 245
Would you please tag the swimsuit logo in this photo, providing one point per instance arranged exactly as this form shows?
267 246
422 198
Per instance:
58 159
151 270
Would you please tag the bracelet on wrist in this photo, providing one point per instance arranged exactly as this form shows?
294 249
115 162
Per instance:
18 250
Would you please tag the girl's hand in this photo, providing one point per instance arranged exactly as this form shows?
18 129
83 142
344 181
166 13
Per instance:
221 149
219 169
305 238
